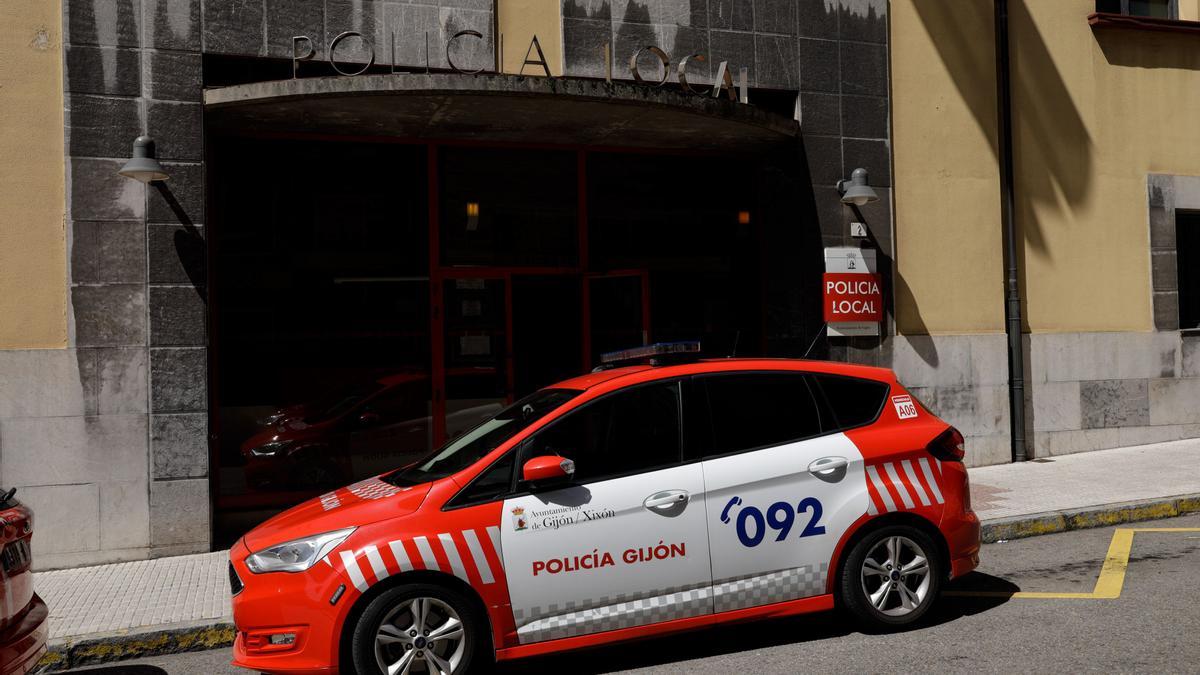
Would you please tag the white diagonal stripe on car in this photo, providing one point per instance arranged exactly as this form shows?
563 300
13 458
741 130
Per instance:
376 561
426 552
900 487
933 484
451 549
401 555
350 563
494 534
881 488
477 554
915 482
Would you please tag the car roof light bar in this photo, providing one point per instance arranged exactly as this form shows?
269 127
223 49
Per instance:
658 353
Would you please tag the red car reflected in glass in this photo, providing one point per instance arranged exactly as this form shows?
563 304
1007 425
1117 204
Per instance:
23 627
360 430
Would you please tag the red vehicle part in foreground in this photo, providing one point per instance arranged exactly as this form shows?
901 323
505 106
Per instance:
23 628
696 494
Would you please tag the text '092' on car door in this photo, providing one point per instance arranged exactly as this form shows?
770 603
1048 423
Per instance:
625 544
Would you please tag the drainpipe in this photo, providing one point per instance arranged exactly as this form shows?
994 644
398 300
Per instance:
1012 308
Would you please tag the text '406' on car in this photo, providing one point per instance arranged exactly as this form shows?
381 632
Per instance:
632 501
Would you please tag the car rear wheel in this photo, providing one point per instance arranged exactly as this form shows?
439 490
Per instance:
419 629
891 577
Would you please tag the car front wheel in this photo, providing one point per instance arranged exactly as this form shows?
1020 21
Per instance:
418 629
891 577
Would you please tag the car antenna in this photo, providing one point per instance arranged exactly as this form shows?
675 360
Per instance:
814 342
736 338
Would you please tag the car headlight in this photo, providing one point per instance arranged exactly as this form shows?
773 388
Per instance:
297 555
270 449
270 420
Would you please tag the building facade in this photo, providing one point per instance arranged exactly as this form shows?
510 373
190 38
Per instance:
385 220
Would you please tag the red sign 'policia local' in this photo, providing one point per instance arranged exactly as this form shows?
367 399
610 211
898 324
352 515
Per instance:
852 297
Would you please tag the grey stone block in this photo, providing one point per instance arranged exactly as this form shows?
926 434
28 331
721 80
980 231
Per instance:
824 154
775 16
1175 401
108 252
877 216
1162 228
116 380
1166 310
70 512
628 38
633 11
865 116
817 18
411 23
111 315
1191 355
289 18
583 45
180 199
234 27
1114 403
99 126
103 70
599 10
863 20
172 24
479 5
870 155
736 48
99 193
820 69
124 514
177 380
829 214
179 446
864 69
731 14
1055 406
177 315
1164 273
683 13
177 128
365 18
73 450
775 61
179 512
176 254
103 22
680 42
467 53
821 113
41 383
175 76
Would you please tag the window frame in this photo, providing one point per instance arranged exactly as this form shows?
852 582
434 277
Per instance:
516 488
1172 10
815 379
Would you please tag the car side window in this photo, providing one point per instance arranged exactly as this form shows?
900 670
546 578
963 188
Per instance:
758 410
631 431
854 401
491 484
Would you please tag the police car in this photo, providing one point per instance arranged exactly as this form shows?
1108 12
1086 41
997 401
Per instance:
633 501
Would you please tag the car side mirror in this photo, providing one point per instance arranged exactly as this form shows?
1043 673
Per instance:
548 471
368 419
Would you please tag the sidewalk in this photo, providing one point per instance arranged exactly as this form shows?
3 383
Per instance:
124 610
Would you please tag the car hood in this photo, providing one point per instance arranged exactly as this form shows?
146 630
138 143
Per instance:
362 503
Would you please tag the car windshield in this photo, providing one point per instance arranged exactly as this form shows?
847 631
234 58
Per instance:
469 448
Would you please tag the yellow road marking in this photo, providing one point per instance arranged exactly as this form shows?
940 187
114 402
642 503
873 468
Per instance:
1108 583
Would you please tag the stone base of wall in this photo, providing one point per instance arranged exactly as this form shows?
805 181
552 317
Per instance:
74 441
1084 391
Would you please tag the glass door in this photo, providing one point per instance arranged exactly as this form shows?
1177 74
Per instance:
477 345
618 312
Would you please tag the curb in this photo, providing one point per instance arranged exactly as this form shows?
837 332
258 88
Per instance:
1020 527
90 650
104 648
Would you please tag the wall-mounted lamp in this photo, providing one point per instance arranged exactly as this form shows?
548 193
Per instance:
143 166
857 190
472 216
743 217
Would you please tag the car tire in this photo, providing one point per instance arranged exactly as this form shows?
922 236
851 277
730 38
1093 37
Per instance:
385 635
884 585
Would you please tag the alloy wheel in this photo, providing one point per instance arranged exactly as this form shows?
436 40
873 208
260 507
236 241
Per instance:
420 635
896 576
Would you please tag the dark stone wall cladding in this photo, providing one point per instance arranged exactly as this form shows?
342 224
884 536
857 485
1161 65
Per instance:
135 66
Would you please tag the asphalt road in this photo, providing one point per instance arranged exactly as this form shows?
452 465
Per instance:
1151 627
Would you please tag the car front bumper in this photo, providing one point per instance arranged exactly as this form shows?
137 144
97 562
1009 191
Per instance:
22 644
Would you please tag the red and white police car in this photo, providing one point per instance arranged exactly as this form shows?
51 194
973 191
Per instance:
628 502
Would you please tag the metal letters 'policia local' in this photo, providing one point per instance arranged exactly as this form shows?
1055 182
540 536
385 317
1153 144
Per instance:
303 49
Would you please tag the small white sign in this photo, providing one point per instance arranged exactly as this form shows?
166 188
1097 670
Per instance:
905 408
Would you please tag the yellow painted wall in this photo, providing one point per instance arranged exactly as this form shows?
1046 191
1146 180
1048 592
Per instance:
33 302
949 270
1189 10
1094 113
519 21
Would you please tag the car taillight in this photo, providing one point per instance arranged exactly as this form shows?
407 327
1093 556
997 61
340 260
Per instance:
948 446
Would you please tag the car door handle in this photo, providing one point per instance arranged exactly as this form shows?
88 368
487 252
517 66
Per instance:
827 465
666 499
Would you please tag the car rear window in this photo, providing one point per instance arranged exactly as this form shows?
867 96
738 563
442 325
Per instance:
853 401
758 410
